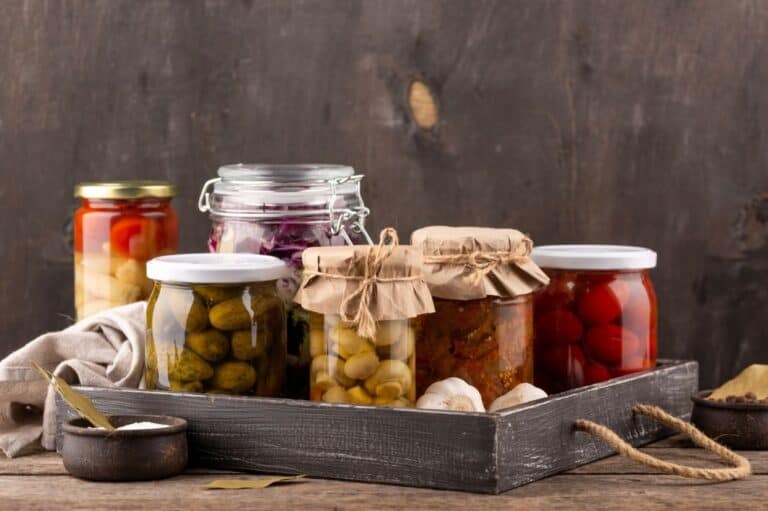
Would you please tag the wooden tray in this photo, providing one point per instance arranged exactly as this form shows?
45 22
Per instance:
477 452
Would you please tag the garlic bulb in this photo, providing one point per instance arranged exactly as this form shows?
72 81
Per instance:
451 394
522 393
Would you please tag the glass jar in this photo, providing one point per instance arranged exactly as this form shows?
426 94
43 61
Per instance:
280 210
347 368
482 282
487 342
117 229
597 319
365 302
216 324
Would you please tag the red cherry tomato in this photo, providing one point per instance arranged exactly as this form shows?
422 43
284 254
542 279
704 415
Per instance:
558 326
595 373
636 314
631 365
136 237
565 362
558 294
610 344
602 303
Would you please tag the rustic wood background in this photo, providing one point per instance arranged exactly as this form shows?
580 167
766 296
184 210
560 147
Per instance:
642 122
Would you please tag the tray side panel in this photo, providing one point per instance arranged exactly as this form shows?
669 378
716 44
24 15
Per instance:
538 440
383 445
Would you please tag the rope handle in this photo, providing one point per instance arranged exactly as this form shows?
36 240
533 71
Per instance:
741 466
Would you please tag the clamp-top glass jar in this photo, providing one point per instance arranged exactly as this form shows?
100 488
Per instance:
280 210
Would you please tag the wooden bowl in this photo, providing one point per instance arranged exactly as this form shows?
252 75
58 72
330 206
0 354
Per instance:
130 455
738 425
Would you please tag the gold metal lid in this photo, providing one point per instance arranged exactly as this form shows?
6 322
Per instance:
125 190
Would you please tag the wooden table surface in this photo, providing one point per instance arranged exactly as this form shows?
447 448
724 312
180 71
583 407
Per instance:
40 482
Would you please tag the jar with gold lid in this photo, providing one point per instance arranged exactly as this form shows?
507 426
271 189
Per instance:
119 226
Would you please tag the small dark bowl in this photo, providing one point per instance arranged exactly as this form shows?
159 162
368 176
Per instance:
133 455
738 425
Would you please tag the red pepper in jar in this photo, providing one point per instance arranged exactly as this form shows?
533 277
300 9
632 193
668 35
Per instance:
118 227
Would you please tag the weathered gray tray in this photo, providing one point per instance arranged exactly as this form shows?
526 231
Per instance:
477 452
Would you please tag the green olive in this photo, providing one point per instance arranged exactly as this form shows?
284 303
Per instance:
210 344
230 315
234 376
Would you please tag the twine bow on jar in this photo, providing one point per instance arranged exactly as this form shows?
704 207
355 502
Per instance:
363 267
355 308
480 263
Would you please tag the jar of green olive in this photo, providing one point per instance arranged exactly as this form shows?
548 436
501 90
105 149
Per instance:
215 324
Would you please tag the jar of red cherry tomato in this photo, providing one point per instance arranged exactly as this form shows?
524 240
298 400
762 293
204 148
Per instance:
597 318
119 227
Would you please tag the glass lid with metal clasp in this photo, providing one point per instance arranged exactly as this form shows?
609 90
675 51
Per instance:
279 210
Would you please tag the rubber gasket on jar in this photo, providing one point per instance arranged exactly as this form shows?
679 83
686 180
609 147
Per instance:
594 257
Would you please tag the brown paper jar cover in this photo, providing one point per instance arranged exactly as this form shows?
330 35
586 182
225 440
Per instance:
469 263
334 274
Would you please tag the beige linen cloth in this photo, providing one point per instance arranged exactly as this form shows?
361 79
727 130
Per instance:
103 350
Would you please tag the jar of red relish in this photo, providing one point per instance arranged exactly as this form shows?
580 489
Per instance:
597 318
119 227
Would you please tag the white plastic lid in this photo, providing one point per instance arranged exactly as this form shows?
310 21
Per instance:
215 268
594 257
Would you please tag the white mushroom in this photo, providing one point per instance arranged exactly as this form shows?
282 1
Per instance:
451 394
522 393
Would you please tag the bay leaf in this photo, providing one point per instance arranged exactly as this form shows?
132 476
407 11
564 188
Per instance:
250 484
80 403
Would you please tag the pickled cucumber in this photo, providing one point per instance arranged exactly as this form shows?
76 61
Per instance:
186 386
233 376
216 294
247 346
230 315
188 366
263 305
210 341
210 344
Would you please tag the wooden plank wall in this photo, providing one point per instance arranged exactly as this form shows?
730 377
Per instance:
622 121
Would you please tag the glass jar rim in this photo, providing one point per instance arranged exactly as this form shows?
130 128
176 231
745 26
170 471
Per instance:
211 268
276 191
594 257
284 172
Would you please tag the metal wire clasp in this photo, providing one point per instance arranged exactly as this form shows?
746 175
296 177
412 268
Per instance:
353 217
204 202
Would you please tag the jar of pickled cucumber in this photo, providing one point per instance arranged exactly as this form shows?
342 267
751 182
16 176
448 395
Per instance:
597 318
119 227
280 210
482 282
216 324
363 303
